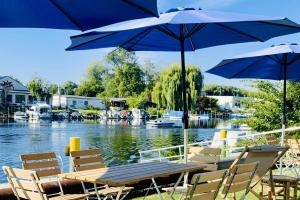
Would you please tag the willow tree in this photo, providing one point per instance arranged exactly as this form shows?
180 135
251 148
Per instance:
167 90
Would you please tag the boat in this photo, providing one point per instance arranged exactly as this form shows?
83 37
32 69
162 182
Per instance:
237 116
204 117
159 123
40 111
20 115
139 114
173 114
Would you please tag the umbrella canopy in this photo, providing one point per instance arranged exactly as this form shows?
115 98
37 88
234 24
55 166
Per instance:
185 30
279 62
75 14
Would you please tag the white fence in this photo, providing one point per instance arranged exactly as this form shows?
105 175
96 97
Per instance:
175 153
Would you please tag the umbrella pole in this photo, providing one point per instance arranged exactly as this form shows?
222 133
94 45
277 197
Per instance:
185 109
284 107
283 110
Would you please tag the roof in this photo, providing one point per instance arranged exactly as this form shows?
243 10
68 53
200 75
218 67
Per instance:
17 85
118 99
77 97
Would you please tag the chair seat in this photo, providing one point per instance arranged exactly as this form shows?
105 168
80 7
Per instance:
111 190
69 197
281 179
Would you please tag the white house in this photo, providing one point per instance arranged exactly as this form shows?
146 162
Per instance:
232 103
77 102
18 94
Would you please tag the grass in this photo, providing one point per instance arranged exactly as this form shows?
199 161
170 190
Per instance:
250 196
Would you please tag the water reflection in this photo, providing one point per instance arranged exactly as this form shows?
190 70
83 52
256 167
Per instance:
120 140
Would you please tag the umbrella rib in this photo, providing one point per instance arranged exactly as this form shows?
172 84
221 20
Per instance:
170 31
93 40
277 60
294 59
139 7
195 29
166 32
190 39
277 24
67 15
239 32
142 34
246 68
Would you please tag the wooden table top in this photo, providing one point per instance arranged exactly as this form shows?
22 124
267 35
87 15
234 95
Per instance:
132 173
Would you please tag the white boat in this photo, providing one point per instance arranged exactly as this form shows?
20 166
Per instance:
39 111
159 123
139 113
173 114
20 115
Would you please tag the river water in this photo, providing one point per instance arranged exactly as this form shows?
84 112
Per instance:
119 141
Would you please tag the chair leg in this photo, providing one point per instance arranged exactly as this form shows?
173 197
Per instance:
287 190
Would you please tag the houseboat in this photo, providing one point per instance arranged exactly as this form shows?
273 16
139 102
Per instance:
39 111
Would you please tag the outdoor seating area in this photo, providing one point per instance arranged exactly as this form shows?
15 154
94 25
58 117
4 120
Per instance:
194 180
144 126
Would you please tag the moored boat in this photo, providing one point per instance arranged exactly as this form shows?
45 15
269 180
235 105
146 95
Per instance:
39 111
20 115
159 123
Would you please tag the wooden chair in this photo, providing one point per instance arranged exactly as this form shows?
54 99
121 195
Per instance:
90 159
267 156
285 185
46 165
205 185
205 155
239 179
26 185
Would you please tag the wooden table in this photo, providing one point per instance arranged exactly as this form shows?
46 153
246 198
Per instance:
133 173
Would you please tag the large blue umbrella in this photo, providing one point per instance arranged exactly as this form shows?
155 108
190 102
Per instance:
72 14
185 30
279 62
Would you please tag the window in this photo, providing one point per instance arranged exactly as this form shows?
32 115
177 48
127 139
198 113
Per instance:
86 103
9 98
74 102
20 98
30 99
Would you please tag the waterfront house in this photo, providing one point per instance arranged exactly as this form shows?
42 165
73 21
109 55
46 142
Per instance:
17 94
76 102
232 103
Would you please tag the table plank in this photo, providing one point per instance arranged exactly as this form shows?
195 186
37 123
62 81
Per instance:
132 173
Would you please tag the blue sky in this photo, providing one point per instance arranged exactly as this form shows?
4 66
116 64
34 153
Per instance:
26 53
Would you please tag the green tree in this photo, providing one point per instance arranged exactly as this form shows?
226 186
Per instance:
119 57
38 87
129 80
93 84
220 90
126 78
53 89
167 92
206 103
69 88
266 105
137 101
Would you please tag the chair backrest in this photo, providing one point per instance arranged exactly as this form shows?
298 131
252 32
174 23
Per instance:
86 159
266 155
204 155
25 183
205 185
45 164
239 178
